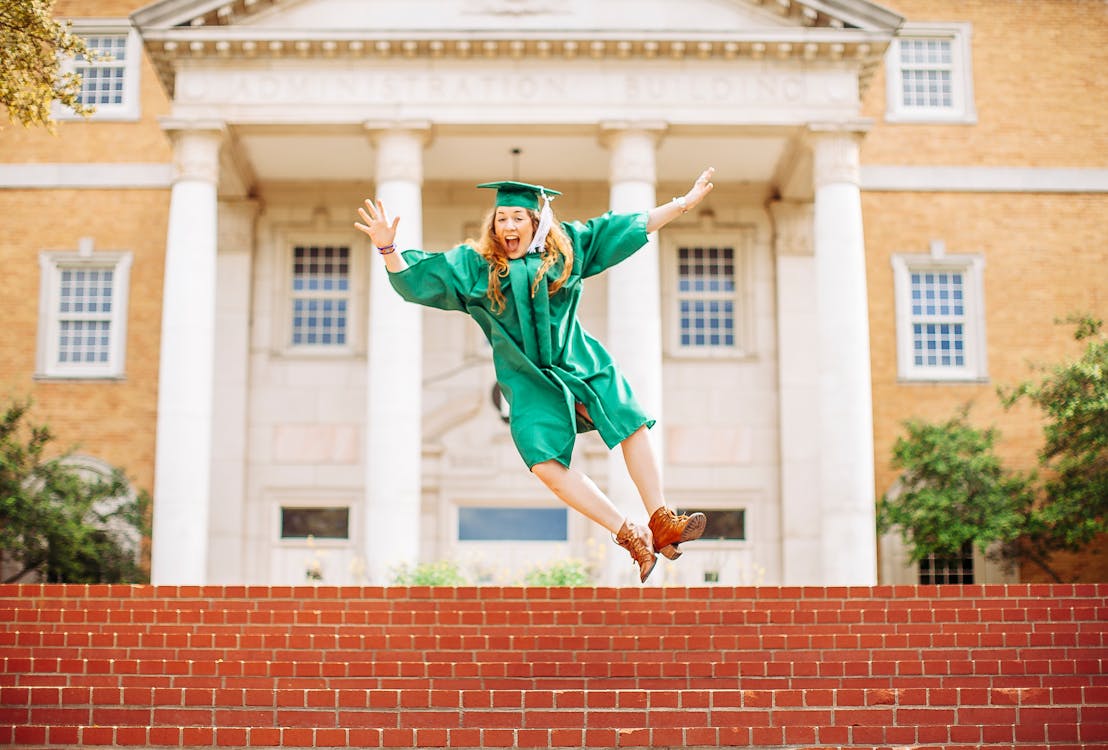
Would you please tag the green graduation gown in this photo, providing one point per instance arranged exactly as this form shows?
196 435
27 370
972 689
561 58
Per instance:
545 361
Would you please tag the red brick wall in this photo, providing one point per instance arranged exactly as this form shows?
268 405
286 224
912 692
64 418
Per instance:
951 667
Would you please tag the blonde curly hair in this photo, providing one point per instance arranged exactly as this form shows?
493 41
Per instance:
557 246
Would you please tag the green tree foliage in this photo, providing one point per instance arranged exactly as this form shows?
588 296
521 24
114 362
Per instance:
1073 397
32 44
954 489
64 522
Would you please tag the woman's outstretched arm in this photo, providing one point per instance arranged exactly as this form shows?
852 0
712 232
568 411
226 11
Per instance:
667 212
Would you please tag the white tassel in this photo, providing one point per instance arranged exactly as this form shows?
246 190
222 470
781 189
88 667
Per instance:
546 220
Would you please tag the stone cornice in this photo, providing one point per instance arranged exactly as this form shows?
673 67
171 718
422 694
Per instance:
836 14
833 31
168 48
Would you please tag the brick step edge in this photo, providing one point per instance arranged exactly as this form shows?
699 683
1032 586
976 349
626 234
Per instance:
751 594
692 738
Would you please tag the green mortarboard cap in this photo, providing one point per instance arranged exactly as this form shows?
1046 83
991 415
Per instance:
511 193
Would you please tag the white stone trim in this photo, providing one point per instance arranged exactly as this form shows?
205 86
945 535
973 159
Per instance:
130 109
895 177
963 109
46 358
60 176
972 265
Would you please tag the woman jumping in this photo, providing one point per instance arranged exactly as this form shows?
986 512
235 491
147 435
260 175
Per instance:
521 282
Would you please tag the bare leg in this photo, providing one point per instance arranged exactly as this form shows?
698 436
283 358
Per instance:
580 493
638 453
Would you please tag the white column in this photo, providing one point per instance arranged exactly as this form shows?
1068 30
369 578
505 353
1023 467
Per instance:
846 408
234 274
798 394
182 480
394 441
634 303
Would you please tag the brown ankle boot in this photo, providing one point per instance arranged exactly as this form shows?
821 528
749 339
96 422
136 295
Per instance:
636 540
670 529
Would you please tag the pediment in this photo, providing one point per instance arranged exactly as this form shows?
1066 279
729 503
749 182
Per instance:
853 31
598 17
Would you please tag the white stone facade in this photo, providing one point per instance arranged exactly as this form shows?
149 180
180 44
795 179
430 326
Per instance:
316 105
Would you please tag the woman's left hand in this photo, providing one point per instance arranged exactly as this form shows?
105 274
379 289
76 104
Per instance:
375 223
660 216
700 188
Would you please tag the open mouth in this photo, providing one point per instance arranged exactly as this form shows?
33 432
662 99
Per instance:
512 243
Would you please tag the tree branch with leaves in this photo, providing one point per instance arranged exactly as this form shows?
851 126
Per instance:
59 521
32 79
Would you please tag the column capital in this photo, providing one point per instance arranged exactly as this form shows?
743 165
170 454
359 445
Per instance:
857 128
236 222
792 227
196 145
174 125
632 145
399 145
612 130
377 129
835 157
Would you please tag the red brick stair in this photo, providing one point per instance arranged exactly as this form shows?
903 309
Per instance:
923 667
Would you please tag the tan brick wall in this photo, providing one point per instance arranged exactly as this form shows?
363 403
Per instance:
1037 73
92 140
112 420
97 8
1034 70
1044 259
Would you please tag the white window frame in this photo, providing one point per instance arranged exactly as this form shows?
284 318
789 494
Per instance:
130 109
338 559
741 298
963 109
284 297
51 264
971 266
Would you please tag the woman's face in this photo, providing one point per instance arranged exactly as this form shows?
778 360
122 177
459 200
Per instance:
512 226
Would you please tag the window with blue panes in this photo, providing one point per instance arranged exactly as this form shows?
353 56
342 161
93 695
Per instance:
83 300
506 524
321 295
927 73
84 315
706 297
103 79
938 318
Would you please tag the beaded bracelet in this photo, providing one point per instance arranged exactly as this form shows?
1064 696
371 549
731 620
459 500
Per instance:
387 249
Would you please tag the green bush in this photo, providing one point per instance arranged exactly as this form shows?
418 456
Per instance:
442 573
571 572
65 524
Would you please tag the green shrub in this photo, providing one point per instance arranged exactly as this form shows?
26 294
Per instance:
571 572
442 573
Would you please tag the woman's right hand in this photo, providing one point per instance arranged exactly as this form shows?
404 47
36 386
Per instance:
375 223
